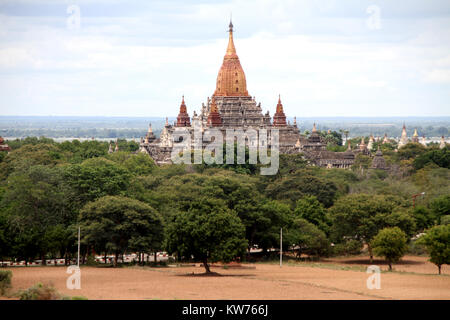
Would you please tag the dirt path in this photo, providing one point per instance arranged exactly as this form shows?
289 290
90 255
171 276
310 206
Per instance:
266 281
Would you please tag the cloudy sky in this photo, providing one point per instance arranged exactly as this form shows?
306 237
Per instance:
136 58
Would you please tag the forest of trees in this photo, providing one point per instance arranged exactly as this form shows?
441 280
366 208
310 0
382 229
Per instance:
124 203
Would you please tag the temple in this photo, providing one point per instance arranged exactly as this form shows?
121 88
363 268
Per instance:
3 145
232 107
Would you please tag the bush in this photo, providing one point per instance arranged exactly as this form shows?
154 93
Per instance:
391 244
5 280
79 298
40 292
90 261
445 219
351 247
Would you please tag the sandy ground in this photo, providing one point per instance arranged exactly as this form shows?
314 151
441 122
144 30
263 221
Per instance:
407 264
255 281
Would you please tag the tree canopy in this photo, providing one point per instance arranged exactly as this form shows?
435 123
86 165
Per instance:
208 231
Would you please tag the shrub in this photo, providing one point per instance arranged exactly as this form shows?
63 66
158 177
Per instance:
40 292
79 298
90 261
391 244
5 280
445 219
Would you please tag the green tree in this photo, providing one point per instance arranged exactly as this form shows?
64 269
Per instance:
306 238
302 183
289 163
34 202
440 207
424 218
121 223
27 156
391 244
269 218
137 164
437 242
310 209
439 157
95 178
208 231
361 162
362 216
411 151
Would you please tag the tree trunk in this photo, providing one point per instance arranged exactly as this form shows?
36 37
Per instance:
205 264
369 247
106 261
439 267
155 258
115 259
390 266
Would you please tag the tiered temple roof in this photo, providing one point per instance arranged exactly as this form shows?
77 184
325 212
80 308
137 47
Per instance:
279 118
183 119
378 161
214 119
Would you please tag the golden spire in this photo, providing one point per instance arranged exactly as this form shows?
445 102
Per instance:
279 105
415 133
231 78
231 50
362 141
314 128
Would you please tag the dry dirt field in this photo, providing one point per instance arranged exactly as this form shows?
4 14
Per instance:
330 279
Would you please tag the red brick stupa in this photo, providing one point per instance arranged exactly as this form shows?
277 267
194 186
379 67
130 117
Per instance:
183 119
214 119
279 118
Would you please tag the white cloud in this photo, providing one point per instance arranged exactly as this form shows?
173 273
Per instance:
121 66
438 76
